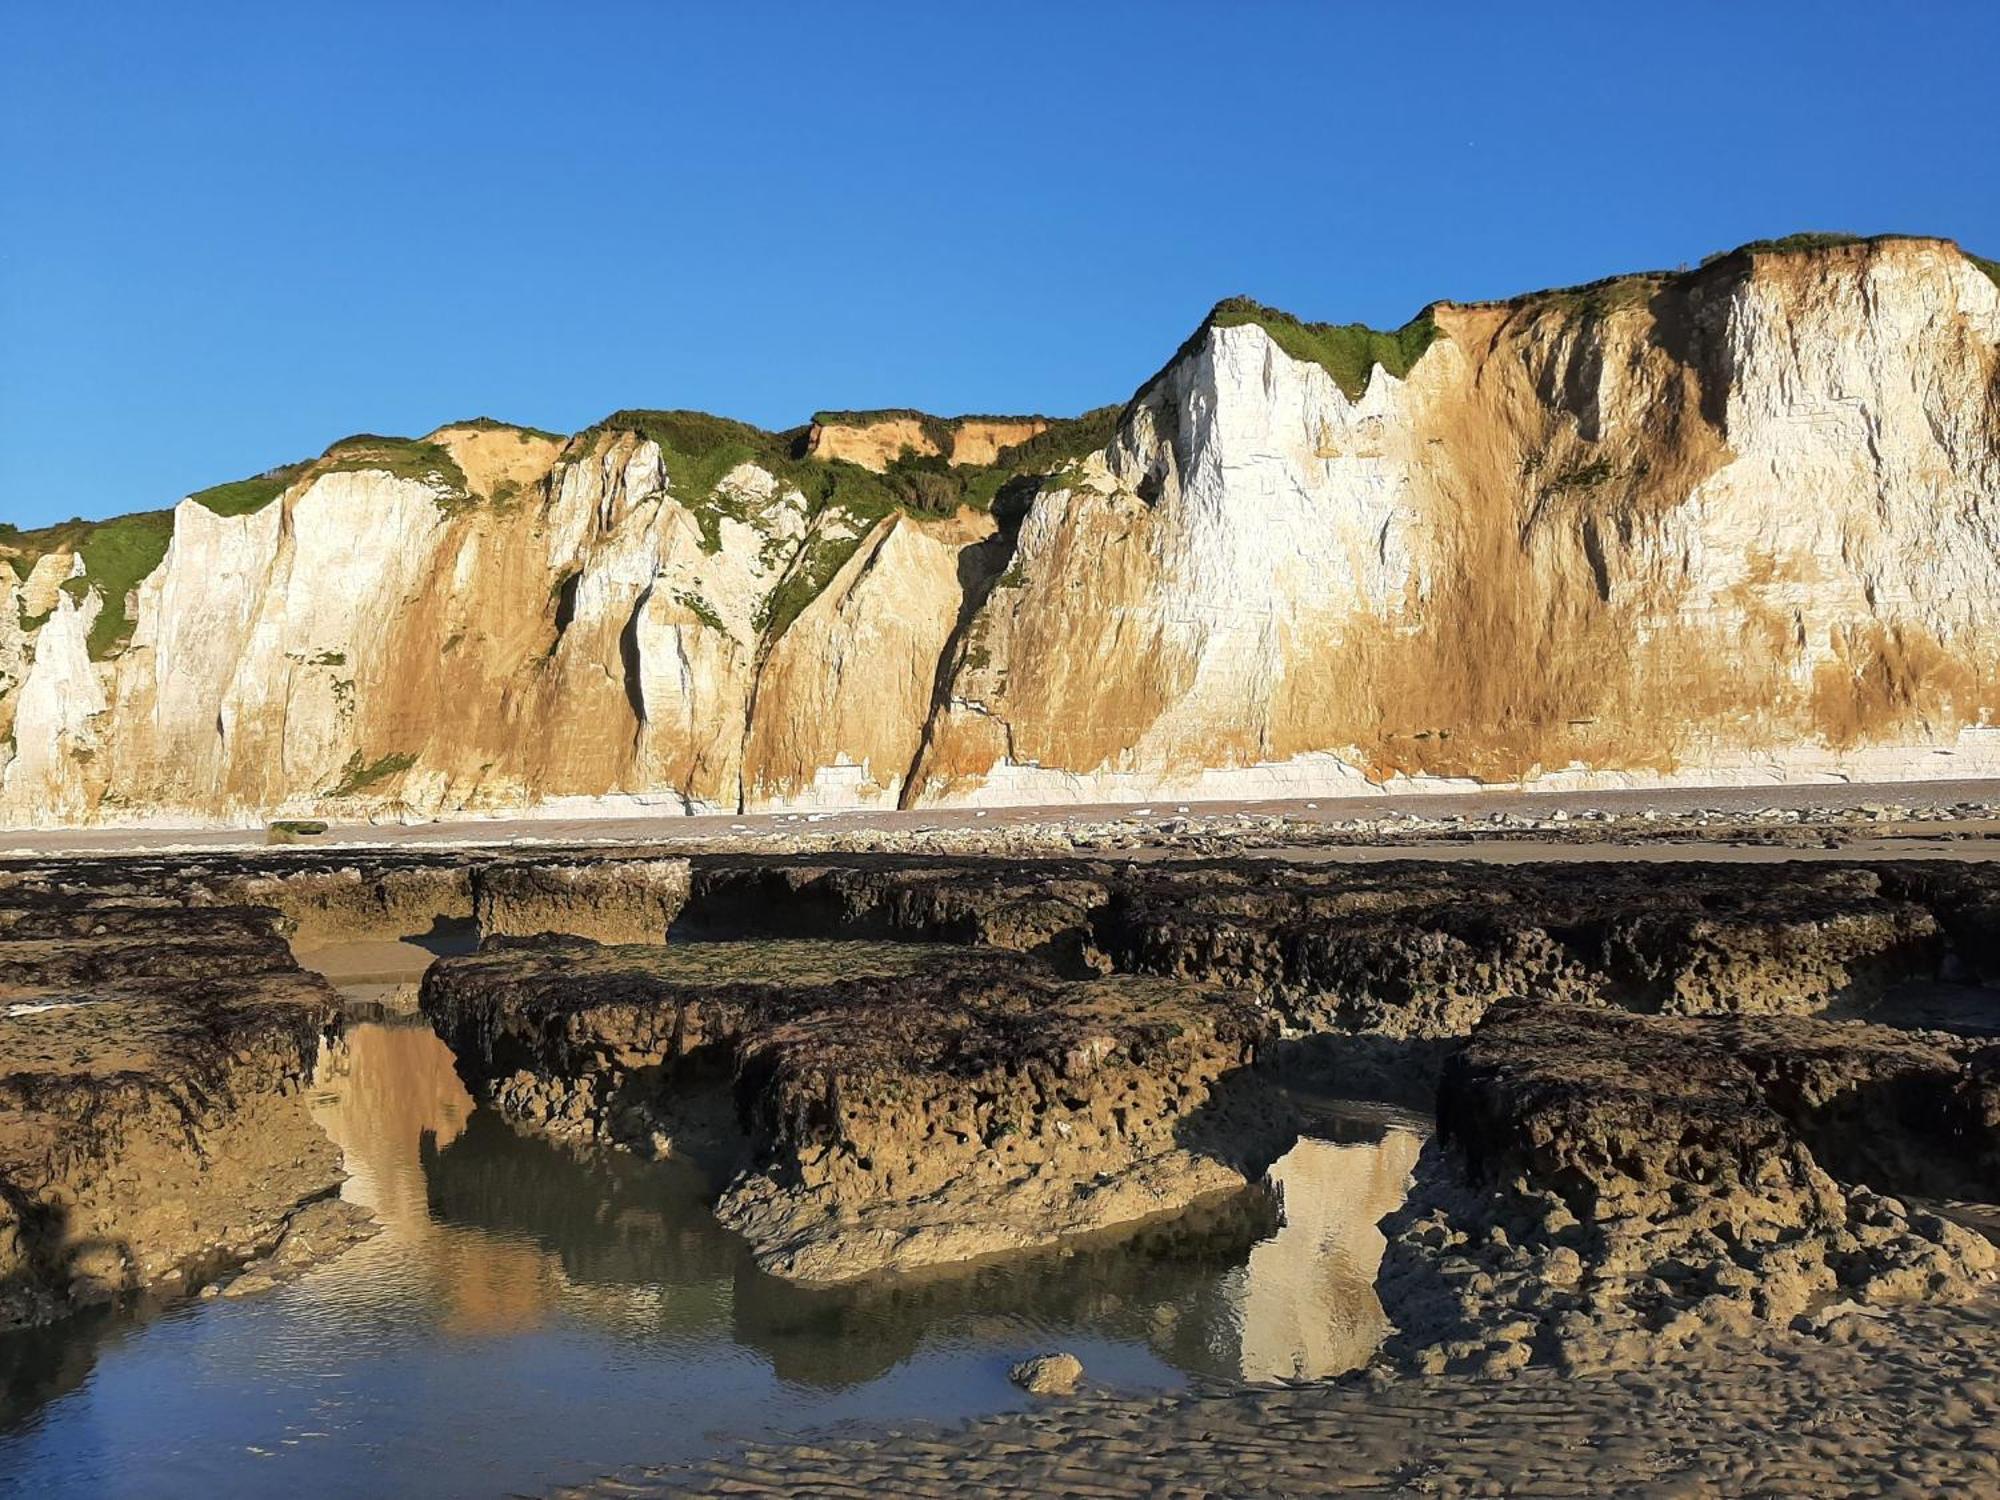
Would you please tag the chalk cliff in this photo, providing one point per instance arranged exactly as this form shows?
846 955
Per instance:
1736 522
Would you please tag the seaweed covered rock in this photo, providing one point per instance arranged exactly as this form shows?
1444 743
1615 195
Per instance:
1035 906
1608 1186
606 900
874 1106
152 1118
1422 949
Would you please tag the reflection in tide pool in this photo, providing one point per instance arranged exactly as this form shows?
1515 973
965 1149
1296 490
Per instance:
532 1315
1308 1300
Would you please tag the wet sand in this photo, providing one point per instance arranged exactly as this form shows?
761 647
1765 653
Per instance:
1899 1405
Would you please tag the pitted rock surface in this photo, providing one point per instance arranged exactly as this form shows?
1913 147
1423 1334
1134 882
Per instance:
152 1062
1608 1186
891 1105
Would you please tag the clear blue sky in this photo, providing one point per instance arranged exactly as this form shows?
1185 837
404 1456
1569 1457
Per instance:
234 233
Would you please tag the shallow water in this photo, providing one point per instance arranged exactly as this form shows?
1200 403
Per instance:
532 1315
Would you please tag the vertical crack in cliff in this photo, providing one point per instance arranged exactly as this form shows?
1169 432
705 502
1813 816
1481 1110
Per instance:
767 638
981 566
629 657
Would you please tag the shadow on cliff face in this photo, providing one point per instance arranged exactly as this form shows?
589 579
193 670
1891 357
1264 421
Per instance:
981 566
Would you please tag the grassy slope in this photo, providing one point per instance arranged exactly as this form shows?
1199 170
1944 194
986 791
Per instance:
240 497
405 458
117 554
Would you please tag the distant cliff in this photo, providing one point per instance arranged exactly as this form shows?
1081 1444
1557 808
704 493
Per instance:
1741 521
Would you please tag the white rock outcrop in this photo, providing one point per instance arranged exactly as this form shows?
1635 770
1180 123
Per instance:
1731 524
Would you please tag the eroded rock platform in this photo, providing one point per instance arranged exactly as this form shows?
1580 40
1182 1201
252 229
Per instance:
152 1062
874 1106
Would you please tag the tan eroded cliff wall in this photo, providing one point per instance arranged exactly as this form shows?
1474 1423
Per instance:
1745 513
1744 521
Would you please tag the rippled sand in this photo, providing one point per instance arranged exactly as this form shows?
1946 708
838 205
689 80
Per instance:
1905 1405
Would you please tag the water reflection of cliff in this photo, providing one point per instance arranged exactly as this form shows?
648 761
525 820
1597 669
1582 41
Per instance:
1309 1302
389 1097
507 1232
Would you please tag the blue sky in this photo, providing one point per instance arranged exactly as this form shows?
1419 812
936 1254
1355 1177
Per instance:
235 233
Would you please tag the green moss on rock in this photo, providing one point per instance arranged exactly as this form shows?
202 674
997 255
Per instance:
821 558
358 776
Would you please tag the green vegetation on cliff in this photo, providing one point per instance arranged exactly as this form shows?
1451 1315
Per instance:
240 497
358 776
405 458
117 555
698 450
1349 352
494 424
1811 239
823 557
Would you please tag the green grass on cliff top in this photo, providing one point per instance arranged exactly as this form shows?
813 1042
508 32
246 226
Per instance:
1349 352
240 497
117 555
698 450
494 424
405 458
1637 288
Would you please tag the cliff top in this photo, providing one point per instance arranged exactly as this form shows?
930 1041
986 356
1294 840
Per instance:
916 460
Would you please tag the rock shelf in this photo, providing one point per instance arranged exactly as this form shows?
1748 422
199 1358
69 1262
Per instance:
874 1106
152 1119
1679 1103
1605 1186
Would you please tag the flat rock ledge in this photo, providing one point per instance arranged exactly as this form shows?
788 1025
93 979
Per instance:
1607 1189
607 901
153 1121
874 1107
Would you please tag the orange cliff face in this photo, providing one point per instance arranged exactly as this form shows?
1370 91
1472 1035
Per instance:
1711 525
874 440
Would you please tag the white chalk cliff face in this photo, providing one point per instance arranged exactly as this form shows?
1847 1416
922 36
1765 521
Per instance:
1732 523
1739 522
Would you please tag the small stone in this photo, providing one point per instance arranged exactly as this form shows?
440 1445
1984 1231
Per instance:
1048 1374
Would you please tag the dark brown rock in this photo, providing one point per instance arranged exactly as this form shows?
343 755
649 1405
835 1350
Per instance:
151 1111
1608 1186
897 1104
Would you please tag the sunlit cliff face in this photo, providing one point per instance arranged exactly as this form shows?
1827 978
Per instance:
1738 522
